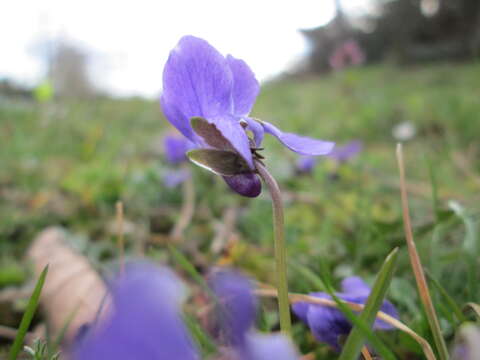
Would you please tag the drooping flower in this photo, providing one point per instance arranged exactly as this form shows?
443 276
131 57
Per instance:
144 321
341 154
208 98
347 54
176 148
328 324
236 309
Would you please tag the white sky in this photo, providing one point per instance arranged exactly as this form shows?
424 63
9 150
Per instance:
129 41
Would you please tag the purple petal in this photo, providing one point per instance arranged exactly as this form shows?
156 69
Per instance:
198 81
177 119
248 185
389 309
328 324
237 305
175 177
257 129
347 151
144 323
354 285
175 148
300 144
267 347
245 86
300 309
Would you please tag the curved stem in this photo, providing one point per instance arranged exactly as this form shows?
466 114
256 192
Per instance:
280 250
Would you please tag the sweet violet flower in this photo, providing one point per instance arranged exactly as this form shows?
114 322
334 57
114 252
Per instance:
328 324
341 154
144 321
237 311
176 148
344 153
208 98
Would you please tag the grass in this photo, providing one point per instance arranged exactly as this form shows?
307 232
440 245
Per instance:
69 164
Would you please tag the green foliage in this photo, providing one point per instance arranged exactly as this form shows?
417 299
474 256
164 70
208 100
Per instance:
356 339
68 163
28 316
40 351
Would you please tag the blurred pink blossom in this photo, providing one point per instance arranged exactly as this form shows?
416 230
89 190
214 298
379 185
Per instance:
347 54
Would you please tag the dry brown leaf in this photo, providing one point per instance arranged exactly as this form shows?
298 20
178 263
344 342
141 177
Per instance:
73 292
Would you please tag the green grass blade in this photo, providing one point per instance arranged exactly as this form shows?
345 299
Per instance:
206 343
357 337
448 299
309 275
187 266
383 350
28 316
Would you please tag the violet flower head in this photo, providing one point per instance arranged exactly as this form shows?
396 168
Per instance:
237 311
208 98
346 152
144 321
328 324
306 164
176 148
341 154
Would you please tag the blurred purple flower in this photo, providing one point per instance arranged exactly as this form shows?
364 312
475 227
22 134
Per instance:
175 177
346 152
347 54
328 324
144 321
305 164
341 154
237 311
176 148
198 81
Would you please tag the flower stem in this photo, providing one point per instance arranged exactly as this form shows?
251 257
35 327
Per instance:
280 250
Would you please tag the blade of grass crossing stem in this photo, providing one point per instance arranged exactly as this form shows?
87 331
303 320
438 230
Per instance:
356 339
28 316
433 182
189 268
203 339
354 319
448 299
309 275
469 246
417 268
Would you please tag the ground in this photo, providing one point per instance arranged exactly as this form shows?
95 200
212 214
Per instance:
68 163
